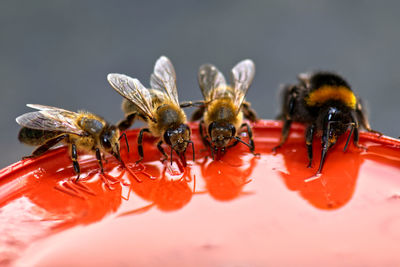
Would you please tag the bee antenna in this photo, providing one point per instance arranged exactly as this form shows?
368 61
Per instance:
191 142
118 155
172 149
126 140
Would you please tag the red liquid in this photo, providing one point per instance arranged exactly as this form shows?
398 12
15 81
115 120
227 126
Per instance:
241 210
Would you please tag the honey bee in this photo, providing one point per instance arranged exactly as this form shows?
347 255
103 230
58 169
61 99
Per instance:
224 106
158 107
325 102
82 131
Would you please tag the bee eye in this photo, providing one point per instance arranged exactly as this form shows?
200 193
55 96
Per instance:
167 136
233 129
185 128
211 127
105 142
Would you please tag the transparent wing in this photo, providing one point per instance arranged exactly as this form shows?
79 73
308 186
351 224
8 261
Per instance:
164 78
305 78
132 90
157 95
210 80
43 107
50 119
242 76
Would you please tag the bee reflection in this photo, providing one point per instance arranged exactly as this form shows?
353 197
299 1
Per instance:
59 203
330 190
165 193
226 179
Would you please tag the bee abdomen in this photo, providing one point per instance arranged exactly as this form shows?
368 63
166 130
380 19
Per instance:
35 137
327 87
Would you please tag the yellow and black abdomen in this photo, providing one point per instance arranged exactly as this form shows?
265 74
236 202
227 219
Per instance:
35 137
326 88
328 94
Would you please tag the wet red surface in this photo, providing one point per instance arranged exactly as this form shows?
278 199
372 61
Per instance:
240 210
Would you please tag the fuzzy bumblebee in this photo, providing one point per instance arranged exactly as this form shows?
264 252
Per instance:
325 102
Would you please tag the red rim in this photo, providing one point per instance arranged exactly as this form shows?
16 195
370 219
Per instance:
267 200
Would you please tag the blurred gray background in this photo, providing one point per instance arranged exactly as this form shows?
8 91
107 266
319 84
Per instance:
59 52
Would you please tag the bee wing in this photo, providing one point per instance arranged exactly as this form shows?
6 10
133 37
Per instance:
50 119
163 78
210 79
242 76
132 90
305 78
157 95
43 107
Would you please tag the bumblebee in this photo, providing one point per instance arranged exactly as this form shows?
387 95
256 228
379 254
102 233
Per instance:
224 106
82 131
325 102
158 107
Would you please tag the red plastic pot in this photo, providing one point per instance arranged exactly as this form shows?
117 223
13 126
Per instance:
240 210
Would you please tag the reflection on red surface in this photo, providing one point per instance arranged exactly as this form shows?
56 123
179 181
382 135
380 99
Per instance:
168 190
226 178
38 199
335 186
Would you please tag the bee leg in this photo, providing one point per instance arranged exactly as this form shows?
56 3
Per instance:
140 145
98 157
356 138
309 139
326 144
285 133
251 141
215 152
74 157
248 112
233 144
103 157
162 150
289 109
363 119
126 140
202 135
198 114
46 146
187 104
352 126
127 122
358 116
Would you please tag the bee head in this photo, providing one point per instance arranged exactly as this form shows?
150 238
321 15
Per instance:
221 133
178 138
109 140
335 122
